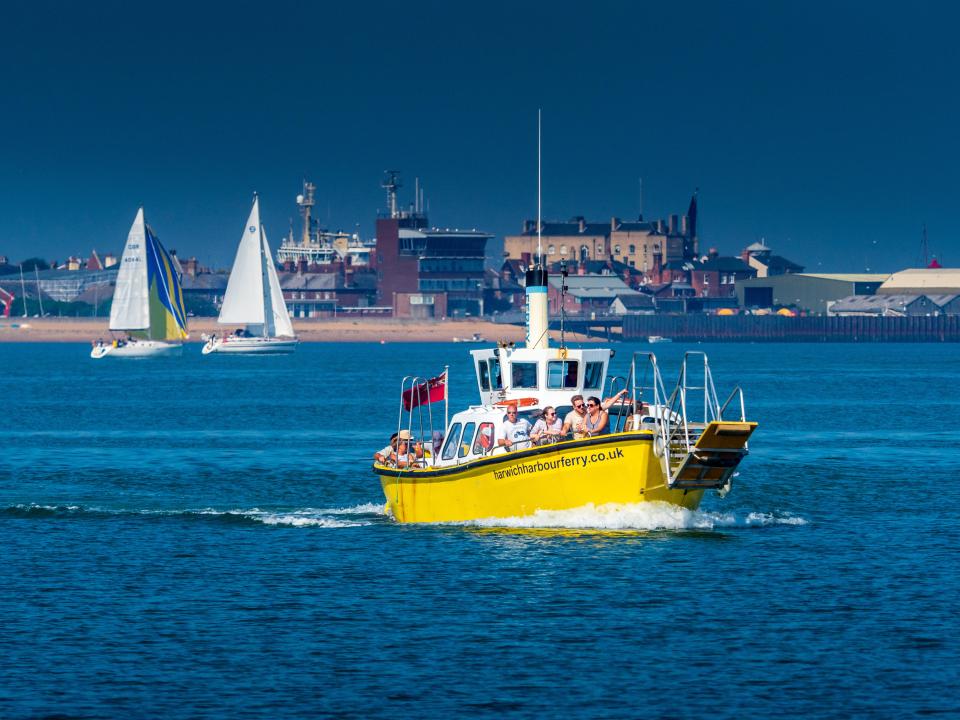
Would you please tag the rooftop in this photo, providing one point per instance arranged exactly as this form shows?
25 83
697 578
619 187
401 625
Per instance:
593 286
923 280
848 277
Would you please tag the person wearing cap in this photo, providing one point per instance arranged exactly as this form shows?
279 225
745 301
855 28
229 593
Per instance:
515 432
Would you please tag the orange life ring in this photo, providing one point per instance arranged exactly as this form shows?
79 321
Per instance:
519 402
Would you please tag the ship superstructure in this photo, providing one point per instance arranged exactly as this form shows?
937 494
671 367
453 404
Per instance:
315 245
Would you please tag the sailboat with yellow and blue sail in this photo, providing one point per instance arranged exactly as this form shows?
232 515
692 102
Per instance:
147 302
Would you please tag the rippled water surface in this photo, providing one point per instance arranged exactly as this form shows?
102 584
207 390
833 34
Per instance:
202 537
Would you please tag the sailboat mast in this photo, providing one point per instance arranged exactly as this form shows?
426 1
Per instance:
23 291
36 272
265 285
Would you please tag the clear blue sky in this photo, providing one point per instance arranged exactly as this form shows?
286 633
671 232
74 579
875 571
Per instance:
829 129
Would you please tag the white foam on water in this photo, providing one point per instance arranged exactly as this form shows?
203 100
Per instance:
307 517
756 518
362 509
302 520
645 516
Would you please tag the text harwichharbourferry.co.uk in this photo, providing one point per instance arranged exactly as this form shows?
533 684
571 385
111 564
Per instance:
567 462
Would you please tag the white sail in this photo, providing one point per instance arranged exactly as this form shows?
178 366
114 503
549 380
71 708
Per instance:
280 326
131 299
243 300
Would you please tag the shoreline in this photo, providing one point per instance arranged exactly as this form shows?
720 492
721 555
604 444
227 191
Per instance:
87 330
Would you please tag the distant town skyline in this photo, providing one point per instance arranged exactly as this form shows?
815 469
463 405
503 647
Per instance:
827 130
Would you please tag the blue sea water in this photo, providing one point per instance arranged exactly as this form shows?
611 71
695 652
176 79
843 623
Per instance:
202 537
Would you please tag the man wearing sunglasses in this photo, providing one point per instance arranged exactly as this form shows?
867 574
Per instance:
573 422
515 433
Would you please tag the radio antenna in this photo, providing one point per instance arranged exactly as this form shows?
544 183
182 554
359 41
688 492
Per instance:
539 208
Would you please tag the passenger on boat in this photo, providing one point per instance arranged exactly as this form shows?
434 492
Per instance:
548 429
409 453
597 420
635 420
610 401
573 422
515 433
385 456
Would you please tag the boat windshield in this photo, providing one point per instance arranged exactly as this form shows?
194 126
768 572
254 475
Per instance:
562 374
496 380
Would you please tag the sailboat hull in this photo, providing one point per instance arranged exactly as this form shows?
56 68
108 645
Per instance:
137 349
251 346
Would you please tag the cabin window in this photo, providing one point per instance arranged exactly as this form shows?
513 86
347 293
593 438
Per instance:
453 440
523 375
483 374
593 375
561 374
484 441
496 381
467 438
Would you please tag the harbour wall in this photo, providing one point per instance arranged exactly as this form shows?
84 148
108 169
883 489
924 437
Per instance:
766 328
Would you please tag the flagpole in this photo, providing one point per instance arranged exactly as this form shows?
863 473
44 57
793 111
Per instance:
446 397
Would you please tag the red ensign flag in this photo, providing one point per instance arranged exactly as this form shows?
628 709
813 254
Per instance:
433 390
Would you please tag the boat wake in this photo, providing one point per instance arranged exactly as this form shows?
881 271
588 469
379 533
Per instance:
355 516
646 516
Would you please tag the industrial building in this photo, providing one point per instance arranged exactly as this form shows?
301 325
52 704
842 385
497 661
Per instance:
427 272
922 281
895 306
807 292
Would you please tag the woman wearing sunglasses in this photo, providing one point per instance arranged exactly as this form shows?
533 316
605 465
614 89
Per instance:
548 429
597 421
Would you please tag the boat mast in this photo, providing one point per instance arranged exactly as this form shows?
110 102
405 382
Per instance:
23 291
536 279
36 272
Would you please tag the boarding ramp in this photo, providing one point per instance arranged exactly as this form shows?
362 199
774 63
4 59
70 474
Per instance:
699 441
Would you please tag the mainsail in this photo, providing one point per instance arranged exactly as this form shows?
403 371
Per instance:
148 300
253 296
131 307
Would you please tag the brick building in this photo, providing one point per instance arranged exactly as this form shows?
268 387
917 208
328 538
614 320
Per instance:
424 271
644 245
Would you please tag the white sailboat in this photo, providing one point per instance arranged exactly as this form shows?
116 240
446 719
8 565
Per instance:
254 299
147 302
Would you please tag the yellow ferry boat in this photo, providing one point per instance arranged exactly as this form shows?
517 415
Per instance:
669 448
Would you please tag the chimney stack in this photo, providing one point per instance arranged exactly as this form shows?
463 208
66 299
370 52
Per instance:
685 225
614 223
674 221
582 223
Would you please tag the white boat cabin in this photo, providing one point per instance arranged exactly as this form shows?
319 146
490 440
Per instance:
549 376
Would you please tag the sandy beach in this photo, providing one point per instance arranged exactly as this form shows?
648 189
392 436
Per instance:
322 330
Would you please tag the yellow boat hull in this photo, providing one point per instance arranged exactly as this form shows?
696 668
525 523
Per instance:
618 468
